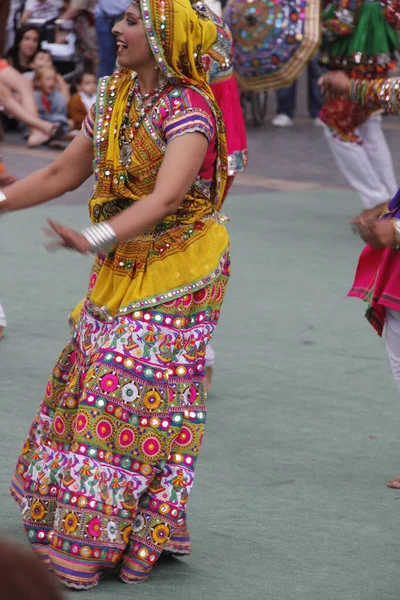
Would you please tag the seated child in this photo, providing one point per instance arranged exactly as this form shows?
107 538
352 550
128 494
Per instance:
51 104
83 100
44 59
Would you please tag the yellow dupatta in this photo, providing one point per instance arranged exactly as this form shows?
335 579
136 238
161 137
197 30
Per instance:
189 248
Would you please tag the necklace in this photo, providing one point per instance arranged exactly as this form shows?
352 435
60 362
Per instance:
128 131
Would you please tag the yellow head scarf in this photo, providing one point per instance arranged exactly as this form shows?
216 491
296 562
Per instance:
179 35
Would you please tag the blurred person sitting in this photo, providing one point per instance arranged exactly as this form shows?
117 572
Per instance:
82 101
26 46
46 10
51 103
44 59
286 99
17 99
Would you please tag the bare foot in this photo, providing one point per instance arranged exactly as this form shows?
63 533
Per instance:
1 331
369 215
394 483
209 374
37 138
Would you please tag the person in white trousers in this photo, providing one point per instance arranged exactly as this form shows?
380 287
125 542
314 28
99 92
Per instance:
359 37
366 164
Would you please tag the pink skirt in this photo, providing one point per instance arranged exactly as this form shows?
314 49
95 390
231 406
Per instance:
228 98
377 281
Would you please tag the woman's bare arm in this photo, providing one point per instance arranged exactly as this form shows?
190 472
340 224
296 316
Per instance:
65 174
181 165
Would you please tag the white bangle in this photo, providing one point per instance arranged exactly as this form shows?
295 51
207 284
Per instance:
3 198
100 237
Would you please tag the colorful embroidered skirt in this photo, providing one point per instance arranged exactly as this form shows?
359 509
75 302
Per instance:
105 473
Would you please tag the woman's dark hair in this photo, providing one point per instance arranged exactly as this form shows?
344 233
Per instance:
13 52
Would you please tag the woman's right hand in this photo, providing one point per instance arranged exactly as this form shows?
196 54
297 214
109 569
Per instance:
335 84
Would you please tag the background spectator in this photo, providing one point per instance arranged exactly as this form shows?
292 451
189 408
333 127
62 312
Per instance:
83 100
47 10
16 97
286 98
44 59
25 48
51 103
81 13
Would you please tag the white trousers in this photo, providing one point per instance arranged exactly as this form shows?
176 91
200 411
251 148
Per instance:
3 320
392 335
368 167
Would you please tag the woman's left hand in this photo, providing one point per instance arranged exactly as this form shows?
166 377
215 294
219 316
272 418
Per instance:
65 237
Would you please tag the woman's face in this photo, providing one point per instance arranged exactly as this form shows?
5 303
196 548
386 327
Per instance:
133 48
29 43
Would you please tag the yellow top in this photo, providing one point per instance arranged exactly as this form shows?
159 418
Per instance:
188 249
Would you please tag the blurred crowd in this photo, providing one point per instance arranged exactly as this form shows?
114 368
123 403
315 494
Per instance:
51 55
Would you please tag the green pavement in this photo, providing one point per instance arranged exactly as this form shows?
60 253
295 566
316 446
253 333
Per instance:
290 501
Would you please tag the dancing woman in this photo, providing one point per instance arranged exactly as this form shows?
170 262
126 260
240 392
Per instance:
106 471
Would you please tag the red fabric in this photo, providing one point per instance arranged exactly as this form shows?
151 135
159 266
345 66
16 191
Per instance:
377 280
45 102
228 99
3 65
344 116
